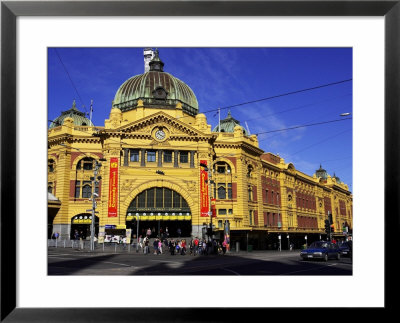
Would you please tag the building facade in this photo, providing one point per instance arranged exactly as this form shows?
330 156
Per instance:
163 166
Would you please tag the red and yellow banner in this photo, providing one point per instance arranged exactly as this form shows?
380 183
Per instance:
113 189
204 199
213 208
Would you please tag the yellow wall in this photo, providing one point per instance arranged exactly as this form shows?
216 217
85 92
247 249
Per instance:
136 129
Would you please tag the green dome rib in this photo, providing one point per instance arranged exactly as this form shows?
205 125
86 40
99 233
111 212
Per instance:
142 87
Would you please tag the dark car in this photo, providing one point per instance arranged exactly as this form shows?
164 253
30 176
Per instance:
321 250
346 248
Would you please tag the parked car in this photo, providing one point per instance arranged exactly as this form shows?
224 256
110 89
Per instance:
346 248
321 250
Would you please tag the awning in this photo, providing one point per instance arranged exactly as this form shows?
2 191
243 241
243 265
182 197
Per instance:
160 217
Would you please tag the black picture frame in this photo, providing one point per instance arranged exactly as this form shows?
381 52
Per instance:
10 10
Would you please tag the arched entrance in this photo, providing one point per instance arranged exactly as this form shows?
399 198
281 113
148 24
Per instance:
81 223
159 208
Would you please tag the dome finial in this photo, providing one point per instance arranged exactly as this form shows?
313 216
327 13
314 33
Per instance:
74 105
156 63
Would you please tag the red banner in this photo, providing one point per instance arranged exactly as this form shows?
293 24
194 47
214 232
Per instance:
113 189
213 208
204 199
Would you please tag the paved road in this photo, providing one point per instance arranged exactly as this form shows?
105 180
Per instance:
74 262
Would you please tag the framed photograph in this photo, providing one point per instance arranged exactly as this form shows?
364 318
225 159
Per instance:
37 34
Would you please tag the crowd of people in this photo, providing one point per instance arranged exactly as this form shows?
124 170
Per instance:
182 247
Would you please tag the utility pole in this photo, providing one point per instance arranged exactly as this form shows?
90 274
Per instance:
95 179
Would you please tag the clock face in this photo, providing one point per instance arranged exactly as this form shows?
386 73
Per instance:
160 135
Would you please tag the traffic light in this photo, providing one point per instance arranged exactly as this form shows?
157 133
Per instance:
330 218
332 228
327 227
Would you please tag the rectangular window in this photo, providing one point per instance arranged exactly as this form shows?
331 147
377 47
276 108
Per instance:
230 211
167 156
134 155
221 191
151 156
222 212
183 157
230 191
251 217
86 189
221 169
250 192
77 189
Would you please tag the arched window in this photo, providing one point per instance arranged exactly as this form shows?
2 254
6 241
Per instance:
159 199
51 165
222 168
85 164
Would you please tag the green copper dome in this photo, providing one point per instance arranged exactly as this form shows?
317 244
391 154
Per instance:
155 88
321 173
78 117
229 124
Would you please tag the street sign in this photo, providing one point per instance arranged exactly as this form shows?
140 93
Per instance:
110 226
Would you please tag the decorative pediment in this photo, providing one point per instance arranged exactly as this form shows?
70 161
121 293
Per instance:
161 122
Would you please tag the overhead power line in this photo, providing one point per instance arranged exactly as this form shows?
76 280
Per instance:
281 95
69 76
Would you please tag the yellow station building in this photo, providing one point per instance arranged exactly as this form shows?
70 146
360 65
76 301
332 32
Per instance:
153 150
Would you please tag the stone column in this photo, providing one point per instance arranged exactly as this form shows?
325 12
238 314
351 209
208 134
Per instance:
126 157
176 159
191 159
159 164
143 157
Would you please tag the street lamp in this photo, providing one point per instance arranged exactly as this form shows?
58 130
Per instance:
94 205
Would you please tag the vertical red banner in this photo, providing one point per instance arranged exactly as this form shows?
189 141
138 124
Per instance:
113 189
204 200
213 208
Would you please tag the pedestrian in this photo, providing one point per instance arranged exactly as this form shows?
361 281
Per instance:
204 247
140 242
166 231
224 247
148 233
172 247
76 235
155 245
179 232
183 247
146 245
160 246
196 246
191 247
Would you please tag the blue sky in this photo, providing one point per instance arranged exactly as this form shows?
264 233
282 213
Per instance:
223 77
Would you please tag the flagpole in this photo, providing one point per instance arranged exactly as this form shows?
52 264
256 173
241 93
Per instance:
219 120
91 110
